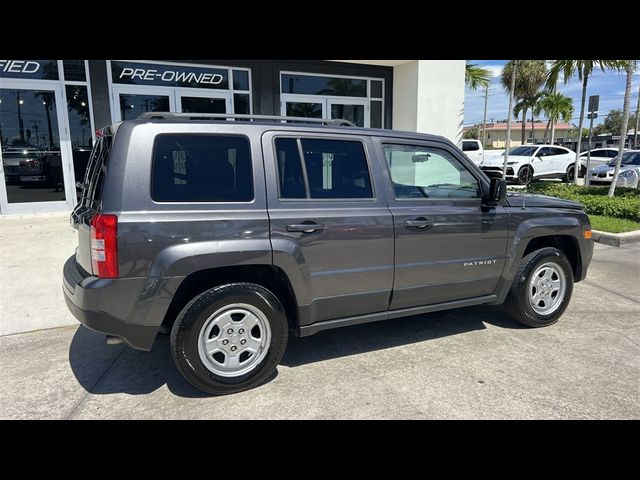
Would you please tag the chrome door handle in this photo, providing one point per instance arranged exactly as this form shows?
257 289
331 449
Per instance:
304 227
418 223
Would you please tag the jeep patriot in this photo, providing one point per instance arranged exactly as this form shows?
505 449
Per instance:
231 235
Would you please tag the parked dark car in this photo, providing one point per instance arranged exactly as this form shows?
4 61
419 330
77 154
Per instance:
232 235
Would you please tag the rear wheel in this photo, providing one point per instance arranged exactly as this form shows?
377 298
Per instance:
525 175
569 176
541 289
230 338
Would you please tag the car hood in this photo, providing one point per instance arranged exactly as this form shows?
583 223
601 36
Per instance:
530 200
499 161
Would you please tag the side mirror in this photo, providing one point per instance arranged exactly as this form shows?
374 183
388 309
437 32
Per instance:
493 173
497 191
420 158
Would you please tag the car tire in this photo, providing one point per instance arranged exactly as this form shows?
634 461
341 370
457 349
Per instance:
545 309
568 176
525 176
232 309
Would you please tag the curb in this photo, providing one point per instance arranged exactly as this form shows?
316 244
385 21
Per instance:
616 239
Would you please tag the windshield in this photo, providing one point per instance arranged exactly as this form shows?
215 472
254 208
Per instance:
523 151
628 158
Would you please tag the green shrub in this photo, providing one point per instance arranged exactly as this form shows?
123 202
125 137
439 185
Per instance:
625 204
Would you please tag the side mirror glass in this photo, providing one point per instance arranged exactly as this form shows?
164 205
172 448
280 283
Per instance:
497 191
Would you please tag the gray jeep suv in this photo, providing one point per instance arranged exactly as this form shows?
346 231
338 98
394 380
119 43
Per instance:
231 235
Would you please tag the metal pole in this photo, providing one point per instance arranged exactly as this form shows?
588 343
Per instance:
635 132
586 175
508 142
484 121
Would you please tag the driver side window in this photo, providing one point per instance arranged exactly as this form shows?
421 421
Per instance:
426 172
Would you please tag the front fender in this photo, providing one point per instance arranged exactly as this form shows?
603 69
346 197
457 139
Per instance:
544 223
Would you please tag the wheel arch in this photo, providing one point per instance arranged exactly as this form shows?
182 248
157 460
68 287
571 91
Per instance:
270 277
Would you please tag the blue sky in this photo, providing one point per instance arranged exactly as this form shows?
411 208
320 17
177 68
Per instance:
609 85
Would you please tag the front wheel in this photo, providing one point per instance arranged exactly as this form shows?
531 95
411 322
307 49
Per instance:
230 338
541 289
525 175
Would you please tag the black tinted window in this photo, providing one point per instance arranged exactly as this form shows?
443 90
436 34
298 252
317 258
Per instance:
201 168
558 151
470 146
290 176
612 153
334 169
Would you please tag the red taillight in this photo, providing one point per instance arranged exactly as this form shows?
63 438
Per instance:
104 246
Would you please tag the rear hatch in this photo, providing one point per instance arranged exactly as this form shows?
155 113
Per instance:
90 195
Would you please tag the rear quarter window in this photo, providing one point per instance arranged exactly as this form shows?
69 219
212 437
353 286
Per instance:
201 168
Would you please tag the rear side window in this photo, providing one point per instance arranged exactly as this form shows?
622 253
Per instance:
201 168
330 169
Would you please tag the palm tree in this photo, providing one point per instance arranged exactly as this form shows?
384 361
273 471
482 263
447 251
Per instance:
476 77
530 76
583 69
533 103
556 106
630 67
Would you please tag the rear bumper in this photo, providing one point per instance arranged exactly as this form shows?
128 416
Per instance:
87 297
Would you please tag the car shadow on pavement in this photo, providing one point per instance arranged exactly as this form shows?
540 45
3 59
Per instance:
137 373
368 337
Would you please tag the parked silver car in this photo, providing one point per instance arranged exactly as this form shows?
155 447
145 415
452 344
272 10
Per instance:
629 171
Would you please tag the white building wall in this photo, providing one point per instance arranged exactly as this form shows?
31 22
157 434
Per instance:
428 97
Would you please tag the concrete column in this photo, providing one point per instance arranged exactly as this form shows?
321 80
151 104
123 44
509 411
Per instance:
428 97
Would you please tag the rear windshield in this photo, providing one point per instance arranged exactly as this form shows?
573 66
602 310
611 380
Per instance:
96 170
201 168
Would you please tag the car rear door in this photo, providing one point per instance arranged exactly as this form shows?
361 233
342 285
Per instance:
559 160
448 246
331 229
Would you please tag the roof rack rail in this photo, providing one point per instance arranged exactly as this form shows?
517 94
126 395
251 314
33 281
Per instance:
237 116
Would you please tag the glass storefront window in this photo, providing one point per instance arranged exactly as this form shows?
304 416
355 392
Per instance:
79 128
203 105
31 155
241 103
376 88
74 71
240 80
131 106
317 85
376 114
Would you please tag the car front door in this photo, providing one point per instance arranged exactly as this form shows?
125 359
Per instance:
331 229
448 245
559 160
542 162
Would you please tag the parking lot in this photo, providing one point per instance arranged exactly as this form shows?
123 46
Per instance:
467 363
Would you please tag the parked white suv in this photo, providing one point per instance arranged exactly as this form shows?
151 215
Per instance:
472 148
532 162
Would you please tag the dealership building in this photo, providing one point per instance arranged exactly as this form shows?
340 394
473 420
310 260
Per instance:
50 109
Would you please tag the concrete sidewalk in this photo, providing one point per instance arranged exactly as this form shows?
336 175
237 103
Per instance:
32 254
467 363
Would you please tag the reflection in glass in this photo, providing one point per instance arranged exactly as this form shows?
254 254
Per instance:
132 106
29 69
79 128
241 103
74 70
203 105
30 142
352 113
315 85
304 109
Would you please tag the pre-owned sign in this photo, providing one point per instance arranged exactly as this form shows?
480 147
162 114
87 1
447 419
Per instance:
169 75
